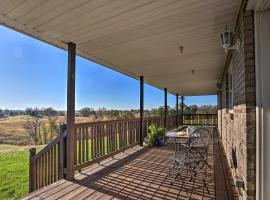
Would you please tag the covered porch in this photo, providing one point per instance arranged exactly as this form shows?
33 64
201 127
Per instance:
141 173
172 45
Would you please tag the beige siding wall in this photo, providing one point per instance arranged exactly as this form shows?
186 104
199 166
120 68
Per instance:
237 126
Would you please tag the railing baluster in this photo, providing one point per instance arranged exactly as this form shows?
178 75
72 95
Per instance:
32 170
49 166
92 141
40 172
79 146
87 142
60 163
98 140
110 137
43 183
38 180
83 144
101 140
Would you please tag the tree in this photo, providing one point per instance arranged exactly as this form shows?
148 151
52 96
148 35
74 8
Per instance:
61 113
28 111
45 134
33 129
126 115
86 112
100 113
49 112
171 111
193 109
53 128
32 112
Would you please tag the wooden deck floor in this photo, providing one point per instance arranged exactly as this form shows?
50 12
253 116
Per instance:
140 173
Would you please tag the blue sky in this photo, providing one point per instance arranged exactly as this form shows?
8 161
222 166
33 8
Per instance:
33 74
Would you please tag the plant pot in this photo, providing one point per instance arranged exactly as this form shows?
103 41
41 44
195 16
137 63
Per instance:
160 142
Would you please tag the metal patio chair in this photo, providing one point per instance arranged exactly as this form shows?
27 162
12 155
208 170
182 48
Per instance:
190 155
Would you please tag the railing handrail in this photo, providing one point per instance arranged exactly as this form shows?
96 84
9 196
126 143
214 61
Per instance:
47 161
115 120
46 148
104 122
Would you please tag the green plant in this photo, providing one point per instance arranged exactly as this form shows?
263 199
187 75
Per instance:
154 133
14 171
160 133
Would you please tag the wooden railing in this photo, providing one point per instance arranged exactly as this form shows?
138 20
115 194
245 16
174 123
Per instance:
95 141
171 122
47 166
158 121
200 119
99 140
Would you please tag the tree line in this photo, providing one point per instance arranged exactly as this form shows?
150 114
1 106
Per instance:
104 113
35 112
44 124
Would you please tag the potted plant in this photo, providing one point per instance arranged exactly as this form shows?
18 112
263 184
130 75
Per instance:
151 134
160 137
156 135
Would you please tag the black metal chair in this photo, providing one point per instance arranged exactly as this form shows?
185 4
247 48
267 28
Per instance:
190 155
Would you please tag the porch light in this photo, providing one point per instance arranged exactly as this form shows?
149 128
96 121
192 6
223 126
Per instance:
226 40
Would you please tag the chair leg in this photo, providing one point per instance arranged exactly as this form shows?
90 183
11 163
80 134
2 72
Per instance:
205 185
199 172
179 171
171 168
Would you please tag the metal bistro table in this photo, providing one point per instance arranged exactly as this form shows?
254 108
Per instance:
181 136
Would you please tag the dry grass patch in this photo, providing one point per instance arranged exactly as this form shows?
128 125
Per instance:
12 130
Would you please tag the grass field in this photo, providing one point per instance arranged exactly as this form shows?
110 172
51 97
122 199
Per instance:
12 129
14 171
13 175
14 155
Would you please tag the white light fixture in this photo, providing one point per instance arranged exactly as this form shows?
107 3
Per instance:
226 40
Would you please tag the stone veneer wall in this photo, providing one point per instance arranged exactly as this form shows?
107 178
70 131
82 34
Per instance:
237 127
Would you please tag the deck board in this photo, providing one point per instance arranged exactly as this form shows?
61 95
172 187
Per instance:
140 173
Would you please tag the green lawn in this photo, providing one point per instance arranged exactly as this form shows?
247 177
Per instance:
13 175
14 163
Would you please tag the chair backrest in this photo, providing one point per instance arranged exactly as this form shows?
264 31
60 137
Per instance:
200 140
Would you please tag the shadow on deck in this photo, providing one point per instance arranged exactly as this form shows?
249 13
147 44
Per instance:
140 173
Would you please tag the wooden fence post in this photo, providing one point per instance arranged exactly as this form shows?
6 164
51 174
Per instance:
62 152
177 111
141 110
32 170
71 137
182 110
165 108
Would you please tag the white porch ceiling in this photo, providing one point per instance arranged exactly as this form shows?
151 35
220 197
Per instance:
135 37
